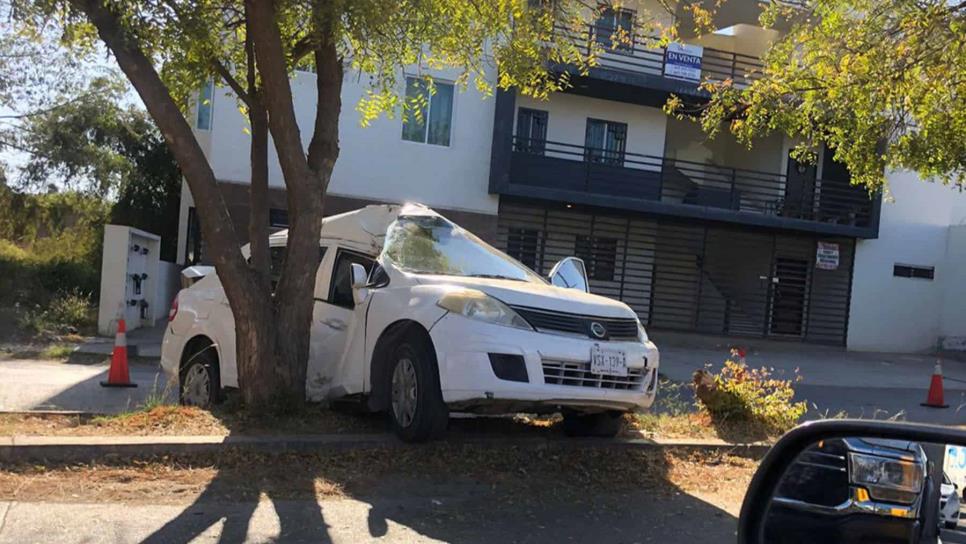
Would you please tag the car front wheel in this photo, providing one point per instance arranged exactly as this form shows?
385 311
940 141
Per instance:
416 407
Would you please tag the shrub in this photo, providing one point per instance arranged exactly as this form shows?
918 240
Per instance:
741 394
65 312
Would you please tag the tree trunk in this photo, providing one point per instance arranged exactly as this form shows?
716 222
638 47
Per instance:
294 299
250 305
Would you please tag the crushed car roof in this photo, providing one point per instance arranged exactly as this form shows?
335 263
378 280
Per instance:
363 229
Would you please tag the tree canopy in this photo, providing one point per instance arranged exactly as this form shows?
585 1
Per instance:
881 82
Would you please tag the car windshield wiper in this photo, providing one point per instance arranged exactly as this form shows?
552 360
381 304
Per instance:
494 277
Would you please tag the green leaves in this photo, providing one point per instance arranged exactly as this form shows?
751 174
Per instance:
882 82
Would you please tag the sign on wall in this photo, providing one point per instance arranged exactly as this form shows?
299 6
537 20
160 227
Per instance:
827 256
683 61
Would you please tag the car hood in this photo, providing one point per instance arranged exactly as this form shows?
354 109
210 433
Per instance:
538 295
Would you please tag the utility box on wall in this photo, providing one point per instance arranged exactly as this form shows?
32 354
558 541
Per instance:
135 283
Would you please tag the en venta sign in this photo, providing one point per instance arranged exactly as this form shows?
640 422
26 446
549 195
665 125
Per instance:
683 61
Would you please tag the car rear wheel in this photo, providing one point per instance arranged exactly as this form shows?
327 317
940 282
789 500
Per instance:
602 424
200 380
416 408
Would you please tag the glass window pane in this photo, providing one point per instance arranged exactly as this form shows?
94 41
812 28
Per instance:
441 114
203 122
414 119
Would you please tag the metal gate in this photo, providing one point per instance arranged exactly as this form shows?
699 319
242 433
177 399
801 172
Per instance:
699 277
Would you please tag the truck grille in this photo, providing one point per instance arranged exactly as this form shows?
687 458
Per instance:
578 374
551 321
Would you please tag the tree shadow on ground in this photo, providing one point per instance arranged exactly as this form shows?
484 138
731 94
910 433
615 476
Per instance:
481 484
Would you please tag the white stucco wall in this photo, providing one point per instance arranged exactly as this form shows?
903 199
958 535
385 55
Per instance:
375 162
904 314
953 321
568 114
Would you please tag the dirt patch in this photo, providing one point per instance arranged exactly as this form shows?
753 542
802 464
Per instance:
566 473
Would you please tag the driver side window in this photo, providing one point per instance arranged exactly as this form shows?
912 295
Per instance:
340 289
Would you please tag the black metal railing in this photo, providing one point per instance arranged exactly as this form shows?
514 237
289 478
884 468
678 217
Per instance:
642 54
618 173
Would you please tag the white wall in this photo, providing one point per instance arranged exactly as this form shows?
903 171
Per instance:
375 162
904 314
568 114
953 321
686 141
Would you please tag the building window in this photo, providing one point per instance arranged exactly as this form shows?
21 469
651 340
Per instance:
278 218
430 116
521 244
599 255
614 29
203 120
194 248
531 130
913 271
605 142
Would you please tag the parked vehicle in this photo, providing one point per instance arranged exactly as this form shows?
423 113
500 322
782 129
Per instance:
418 317
949 503
851 490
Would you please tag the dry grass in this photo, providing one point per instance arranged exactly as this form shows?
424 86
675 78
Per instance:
531 473
698 425
186 420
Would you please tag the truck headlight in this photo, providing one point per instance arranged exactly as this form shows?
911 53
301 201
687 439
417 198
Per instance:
889 480
480 306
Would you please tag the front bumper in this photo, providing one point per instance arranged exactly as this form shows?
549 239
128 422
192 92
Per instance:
468 381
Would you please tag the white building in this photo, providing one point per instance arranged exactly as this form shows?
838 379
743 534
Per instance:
695 235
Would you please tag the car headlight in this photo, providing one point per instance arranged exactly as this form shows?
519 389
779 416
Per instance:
641 333
478 305
890 480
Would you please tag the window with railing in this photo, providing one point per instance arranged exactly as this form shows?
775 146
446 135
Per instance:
532 127
599 255
614 29
606 142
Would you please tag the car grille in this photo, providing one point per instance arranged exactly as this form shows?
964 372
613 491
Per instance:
550 321
578 374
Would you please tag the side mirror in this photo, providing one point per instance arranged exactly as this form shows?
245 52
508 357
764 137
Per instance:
359 281
851 481
570 273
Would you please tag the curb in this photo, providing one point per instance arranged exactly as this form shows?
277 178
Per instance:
15 449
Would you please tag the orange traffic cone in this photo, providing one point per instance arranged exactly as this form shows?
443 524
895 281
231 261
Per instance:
118 376
935 397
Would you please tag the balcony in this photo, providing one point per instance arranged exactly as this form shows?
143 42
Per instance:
642 63
665 186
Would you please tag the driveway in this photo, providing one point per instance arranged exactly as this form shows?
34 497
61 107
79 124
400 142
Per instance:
868 385
27 385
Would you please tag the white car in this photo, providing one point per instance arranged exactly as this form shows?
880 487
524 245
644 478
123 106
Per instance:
418 317
948 503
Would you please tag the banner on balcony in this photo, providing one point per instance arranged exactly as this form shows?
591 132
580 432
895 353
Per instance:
827 256
683 61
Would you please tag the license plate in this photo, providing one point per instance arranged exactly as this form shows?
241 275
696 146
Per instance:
607 362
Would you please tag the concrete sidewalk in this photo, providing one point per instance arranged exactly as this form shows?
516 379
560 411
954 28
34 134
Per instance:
142 342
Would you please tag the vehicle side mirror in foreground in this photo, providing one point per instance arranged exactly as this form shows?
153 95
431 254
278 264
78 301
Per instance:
852 481
359 281
570 273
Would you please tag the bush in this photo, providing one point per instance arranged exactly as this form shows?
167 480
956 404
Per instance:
741 394
69 312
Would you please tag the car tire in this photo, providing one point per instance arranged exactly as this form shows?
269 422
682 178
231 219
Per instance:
200 380
416 409
602 425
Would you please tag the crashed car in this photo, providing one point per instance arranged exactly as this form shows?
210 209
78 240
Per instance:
417 317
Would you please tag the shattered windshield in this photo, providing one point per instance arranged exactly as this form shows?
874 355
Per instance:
426 244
